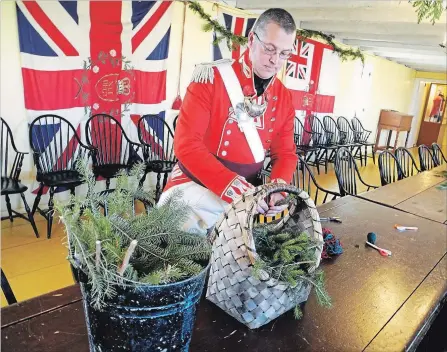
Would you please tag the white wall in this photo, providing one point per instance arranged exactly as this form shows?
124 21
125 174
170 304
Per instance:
390 87
196 49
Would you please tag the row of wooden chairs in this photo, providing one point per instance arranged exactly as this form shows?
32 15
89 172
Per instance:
391 167
348 175
401 164
320 140
56 147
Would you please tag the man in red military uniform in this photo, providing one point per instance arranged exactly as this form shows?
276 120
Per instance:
232 114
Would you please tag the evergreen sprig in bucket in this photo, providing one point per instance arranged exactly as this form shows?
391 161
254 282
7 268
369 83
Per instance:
141 276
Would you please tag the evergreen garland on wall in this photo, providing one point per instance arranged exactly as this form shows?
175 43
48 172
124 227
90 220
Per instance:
234 41
425 9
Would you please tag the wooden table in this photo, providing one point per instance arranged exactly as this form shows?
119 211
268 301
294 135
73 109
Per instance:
371 294
417 194
430 204
431 293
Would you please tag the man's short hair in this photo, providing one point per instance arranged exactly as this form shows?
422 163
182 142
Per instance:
279 16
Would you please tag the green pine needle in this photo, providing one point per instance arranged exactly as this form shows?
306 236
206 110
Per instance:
428 9
287 257
164 252
297 312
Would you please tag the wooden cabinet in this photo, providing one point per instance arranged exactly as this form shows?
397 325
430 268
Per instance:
391 120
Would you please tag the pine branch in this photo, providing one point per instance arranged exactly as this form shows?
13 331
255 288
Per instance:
163 252
287 257
297 312
428 9
322 296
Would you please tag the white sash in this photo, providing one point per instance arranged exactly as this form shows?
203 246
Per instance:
245 122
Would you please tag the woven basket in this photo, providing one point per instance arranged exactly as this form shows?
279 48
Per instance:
231 285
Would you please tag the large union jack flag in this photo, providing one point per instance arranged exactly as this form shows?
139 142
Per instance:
239 26
84 57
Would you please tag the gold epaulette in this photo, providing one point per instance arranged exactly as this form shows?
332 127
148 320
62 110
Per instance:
204 73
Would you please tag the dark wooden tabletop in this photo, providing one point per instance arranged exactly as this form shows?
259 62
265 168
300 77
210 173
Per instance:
430 204
398 192
371 295
421 307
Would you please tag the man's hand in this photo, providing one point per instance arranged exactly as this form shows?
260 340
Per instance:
271 209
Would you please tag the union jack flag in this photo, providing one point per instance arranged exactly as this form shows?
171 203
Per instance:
85 57
297 65
237 25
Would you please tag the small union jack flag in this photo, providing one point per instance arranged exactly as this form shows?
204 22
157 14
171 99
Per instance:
297 65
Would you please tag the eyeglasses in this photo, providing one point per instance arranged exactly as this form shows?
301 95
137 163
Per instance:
270 49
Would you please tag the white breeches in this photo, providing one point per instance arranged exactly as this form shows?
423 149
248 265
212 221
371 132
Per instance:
206 207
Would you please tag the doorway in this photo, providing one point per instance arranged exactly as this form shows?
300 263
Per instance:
433 115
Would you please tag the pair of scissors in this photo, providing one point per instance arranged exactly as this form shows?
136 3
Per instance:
332 219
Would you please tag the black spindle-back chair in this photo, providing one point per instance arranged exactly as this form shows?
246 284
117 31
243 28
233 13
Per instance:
347 134
438 154
333 134
174 123
406 162
56 147
7 290
361 135
115 151
158 147
321 139
303 141
10 176
389 168
304 179
426 158
347 173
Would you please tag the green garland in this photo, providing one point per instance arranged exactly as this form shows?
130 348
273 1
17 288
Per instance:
428 9
344 54
234 41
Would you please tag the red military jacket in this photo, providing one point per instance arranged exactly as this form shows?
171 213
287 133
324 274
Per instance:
208 143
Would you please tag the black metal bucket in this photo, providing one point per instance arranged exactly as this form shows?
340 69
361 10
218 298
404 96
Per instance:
151 318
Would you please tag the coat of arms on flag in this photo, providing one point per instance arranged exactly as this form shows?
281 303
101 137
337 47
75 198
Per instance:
85 57
239 25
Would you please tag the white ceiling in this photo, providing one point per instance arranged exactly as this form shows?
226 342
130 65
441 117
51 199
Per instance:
386 28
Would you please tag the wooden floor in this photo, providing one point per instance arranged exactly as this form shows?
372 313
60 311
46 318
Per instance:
38 266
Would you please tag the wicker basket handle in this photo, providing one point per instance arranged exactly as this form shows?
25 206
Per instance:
260 193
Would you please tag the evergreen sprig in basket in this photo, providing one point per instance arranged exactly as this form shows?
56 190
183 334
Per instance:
252 296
